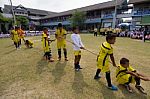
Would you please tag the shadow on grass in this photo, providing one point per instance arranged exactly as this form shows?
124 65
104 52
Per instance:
9 46
78 84
6 53
41 65
107 93
131 95
58 72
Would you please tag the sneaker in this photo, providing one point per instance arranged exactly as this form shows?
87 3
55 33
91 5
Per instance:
141 89
79 67
59 59
66 59
129 88
113 88
51 60
97 77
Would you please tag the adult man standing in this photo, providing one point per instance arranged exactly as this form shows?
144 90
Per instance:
145 32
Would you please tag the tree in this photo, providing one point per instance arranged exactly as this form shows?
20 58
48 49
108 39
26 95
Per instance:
4 22
4 19
78 19
23 21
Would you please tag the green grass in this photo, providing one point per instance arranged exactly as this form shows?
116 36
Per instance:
24 75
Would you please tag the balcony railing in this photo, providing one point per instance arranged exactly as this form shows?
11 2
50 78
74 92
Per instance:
141 13
108 16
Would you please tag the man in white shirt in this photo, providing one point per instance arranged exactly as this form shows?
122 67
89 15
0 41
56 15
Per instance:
77 46
95 31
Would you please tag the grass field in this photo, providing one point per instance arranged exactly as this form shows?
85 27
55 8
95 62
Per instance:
24 75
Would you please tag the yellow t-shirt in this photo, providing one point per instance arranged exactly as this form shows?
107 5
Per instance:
61 34
109 29
114 31
103 59
15 36
118 30
20 33
122 76
45 42
30 42
122 70
102 30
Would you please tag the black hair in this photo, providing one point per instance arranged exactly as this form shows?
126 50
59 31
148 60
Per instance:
16 27
74 28
59 25
27 41
45 28
124 60
110 36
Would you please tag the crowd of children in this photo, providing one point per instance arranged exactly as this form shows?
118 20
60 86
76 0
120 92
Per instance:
125 74
17 35
133 34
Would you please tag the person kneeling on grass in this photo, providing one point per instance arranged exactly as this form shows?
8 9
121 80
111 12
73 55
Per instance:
125 75
28 44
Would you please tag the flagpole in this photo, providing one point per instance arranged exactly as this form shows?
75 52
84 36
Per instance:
115 14
14 18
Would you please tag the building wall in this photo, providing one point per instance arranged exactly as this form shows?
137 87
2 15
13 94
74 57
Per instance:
138 12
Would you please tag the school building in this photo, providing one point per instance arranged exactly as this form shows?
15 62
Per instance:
140 12
34 15
101 15
98 15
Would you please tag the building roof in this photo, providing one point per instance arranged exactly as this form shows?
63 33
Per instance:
137 1
103 5
7 10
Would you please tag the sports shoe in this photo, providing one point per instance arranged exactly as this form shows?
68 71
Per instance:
97 77
51 60
66 59
141 89
113 88
129 88
79 67
59 59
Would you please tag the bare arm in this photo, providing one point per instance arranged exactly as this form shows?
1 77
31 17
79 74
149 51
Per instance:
138 76
113 60
64 36
56 36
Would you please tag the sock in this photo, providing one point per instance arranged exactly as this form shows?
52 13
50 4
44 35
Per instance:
59 53
137 81
98 72
108 79
65 53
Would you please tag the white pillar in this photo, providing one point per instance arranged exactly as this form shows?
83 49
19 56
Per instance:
115 14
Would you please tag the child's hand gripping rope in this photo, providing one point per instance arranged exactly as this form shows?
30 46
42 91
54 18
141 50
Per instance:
51 40
90 52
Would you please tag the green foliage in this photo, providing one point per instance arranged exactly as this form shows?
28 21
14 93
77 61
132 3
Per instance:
78 18
21 20
4 19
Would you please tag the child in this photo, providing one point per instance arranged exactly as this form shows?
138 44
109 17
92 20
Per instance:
125 75
46 45
78 45
15 37
28 44
61 41
21 35
103 59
